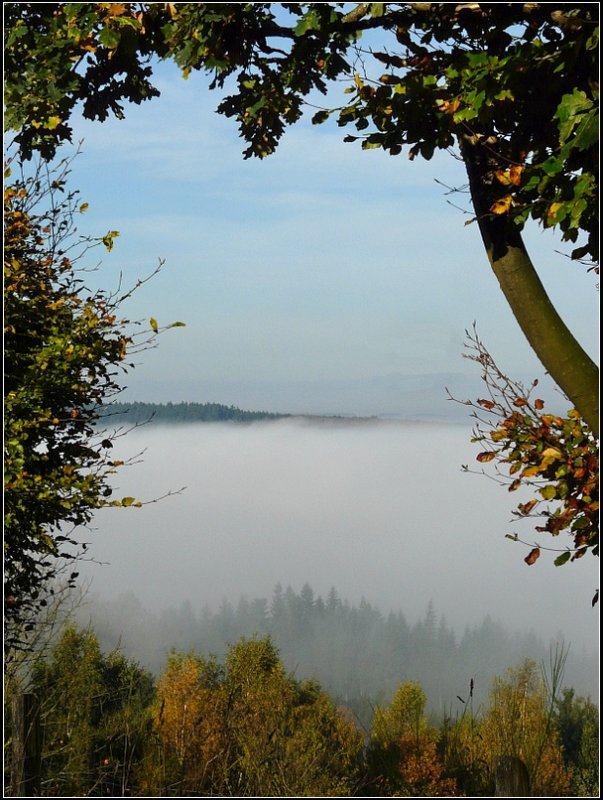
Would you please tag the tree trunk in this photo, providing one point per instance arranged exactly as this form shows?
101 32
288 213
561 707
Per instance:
26 746
560 353
511 777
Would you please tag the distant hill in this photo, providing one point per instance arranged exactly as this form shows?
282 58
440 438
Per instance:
169 413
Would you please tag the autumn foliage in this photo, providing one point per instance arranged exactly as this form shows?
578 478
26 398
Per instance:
245 727
250 729
402 754
555 457
63 348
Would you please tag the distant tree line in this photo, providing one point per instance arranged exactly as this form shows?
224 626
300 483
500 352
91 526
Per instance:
137 412
357 653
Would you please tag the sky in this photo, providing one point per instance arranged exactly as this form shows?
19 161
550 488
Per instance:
308 280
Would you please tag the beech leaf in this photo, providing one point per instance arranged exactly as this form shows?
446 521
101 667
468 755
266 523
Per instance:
502 205
532 556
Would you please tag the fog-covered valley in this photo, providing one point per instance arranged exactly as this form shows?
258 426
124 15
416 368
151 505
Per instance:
379 511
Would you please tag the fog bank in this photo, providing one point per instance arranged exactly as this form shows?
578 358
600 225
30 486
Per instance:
380 511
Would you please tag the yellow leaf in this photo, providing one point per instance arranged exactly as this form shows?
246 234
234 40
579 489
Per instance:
153 324
84 207
552 452
358 81
549 455
502 205
510 177
53 122
552 210
107 239
515 174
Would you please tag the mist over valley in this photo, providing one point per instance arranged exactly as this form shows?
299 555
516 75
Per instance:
378 512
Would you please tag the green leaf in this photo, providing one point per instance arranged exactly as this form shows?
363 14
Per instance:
253 110
572 104
320 116
127 501
569 108
109 38
560 560
587 132
552 166
549 492
308 22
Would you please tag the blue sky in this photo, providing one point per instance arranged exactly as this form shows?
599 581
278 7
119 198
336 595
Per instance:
322 263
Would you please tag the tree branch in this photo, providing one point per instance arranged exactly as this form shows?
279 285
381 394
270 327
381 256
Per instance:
563 357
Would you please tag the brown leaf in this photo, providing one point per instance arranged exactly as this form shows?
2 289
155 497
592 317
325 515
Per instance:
487 455
449 107
538 404
486 404
533 556
525 508
115 9
519 402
